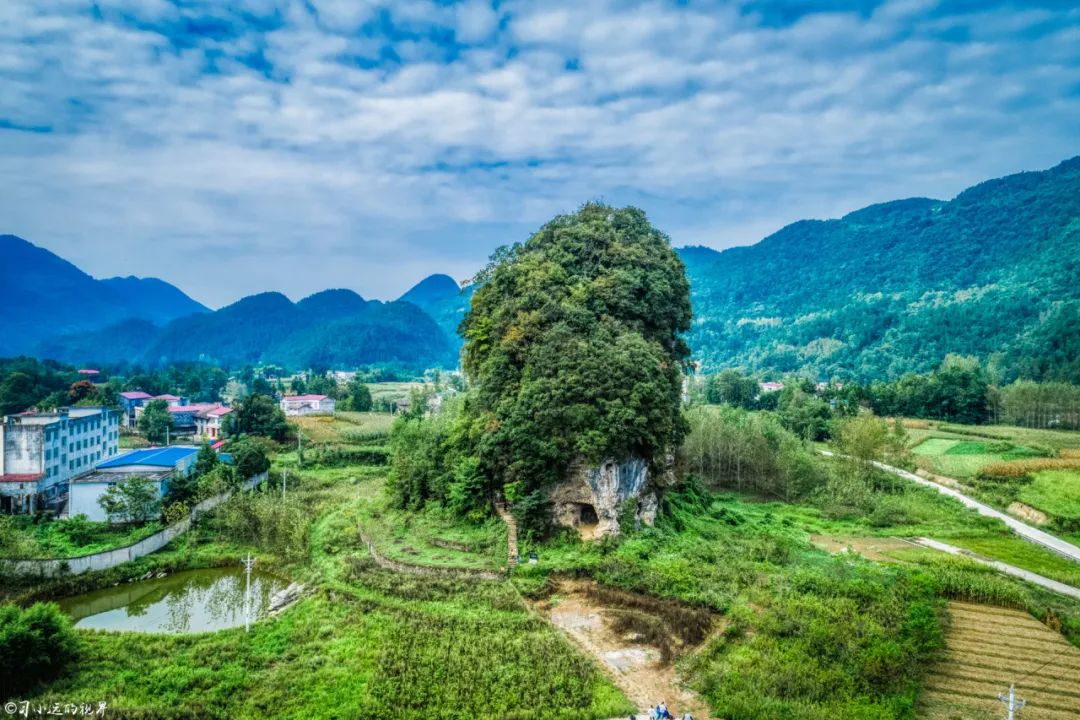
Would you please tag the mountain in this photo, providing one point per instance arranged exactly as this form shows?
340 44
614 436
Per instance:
892 288
153 299
333 328
45 295
443 299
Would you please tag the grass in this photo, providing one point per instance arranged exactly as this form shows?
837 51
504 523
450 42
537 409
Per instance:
1056 493
1016 551
345 427
27 538
432 536
964 458
366 643
393 390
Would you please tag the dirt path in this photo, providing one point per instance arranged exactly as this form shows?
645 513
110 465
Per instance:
634 667
511 533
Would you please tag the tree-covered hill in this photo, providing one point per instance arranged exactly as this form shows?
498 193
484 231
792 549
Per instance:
333 328
444 300
895 287
46 295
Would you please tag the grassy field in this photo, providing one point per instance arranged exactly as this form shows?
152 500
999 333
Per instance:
22 537
987 649
1056 493
432 537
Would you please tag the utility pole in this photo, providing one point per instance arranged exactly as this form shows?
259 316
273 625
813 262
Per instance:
249 562
1012 705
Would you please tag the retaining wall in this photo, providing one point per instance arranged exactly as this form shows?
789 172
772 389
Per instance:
53 567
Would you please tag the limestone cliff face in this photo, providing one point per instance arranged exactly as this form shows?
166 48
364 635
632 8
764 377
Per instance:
603 491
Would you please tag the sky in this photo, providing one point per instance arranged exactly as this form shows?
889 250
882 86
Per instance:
233 148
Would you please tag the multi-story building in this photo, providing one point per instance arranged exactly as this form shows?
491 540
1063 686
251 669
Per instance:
42 452
129 401
208 423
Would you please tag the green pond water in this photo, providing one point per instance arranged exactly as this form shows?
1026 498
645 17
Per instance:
183 602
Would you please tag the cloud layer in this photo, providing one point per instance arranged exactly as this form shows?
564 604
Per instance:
303 145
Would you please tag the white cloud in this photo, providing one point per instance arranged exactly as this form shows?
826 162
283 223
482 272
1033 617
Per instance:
193 156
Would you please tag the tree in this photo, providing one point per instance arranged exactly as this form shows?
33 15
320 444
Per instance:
36 644
206 460
257 415
134 499
861 439
574 346
79 390
17 393
261 386
249 457
359 395
803 413
322 385
155 421
731 387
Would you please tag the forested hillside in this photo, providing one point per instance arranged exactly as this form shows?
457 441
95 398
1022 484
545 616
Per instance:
335 328
893 288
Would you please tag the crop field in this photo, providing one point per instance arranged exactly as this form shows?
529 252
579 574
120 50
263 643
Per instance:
393 390
987 648
345 427
963 458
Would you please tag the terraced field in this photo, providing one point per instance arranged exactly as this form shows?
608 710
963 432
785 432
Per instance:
990 647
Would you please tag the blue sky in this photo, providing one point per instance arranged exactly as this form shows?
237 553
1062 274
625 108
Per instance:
236 147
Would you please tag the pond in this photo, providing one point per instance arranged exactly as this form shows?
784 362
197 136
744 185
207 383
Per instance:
184 602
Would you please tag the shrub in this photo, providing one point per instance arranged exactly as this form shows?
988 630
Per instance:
36 645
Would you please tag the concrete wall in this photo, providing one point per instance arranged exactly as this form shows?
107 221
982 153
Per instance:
112 558
23 449
83 500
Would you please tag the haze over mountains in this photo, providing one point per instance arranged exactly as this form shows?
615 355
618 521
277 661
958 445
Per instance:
887 289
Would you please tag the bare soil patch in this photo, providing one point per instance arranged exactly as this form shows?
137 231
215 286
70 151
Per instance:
635 639
870 548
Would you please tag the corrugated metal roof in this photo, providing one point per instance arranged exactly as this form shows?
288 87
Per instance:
157 457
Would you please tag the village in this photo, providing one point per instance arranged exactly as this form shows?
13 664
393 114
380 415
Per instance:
62 461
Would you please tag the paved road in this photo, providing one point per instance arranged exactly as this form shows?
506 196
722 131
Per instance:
1032 534
1053 585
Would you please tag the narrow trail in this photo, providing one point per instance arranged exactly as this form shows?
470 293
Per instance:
511 532
408 568
1027 532
633 667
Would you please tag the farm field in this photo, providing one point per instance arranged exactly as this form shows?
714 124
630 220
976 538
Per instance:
1056 493
345 427
989 647
393 390
963 458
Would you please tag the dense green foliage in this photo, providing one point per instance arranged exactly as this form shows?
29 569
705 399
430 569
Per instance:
155 421
133 499
894 288
573 343
36 644
257 415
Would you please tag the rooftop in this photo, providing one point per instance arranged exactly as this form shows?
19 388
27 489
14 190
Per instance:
21 477
193 408
304 398
112 477
157 457
135 395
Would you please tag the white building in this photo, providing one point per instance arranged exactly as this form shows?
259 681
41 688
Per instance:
208 422
156 464
42 452
308 405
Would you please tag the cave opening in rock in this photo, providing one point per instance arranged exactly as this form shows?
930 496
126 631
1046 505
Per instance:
587 515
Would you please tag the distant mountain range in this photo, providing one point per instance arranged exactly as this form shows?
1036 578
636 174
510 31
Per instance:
44 295
885 290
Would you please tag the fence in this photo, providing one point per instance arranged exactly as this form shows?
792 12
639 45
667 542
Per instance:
111 558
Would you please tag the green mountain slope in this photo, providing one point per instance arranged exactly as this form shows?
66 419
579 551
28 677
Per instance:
333 328
893 288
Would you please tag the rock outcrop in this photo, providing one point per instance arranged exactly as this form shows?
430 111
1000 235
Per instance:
593 498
